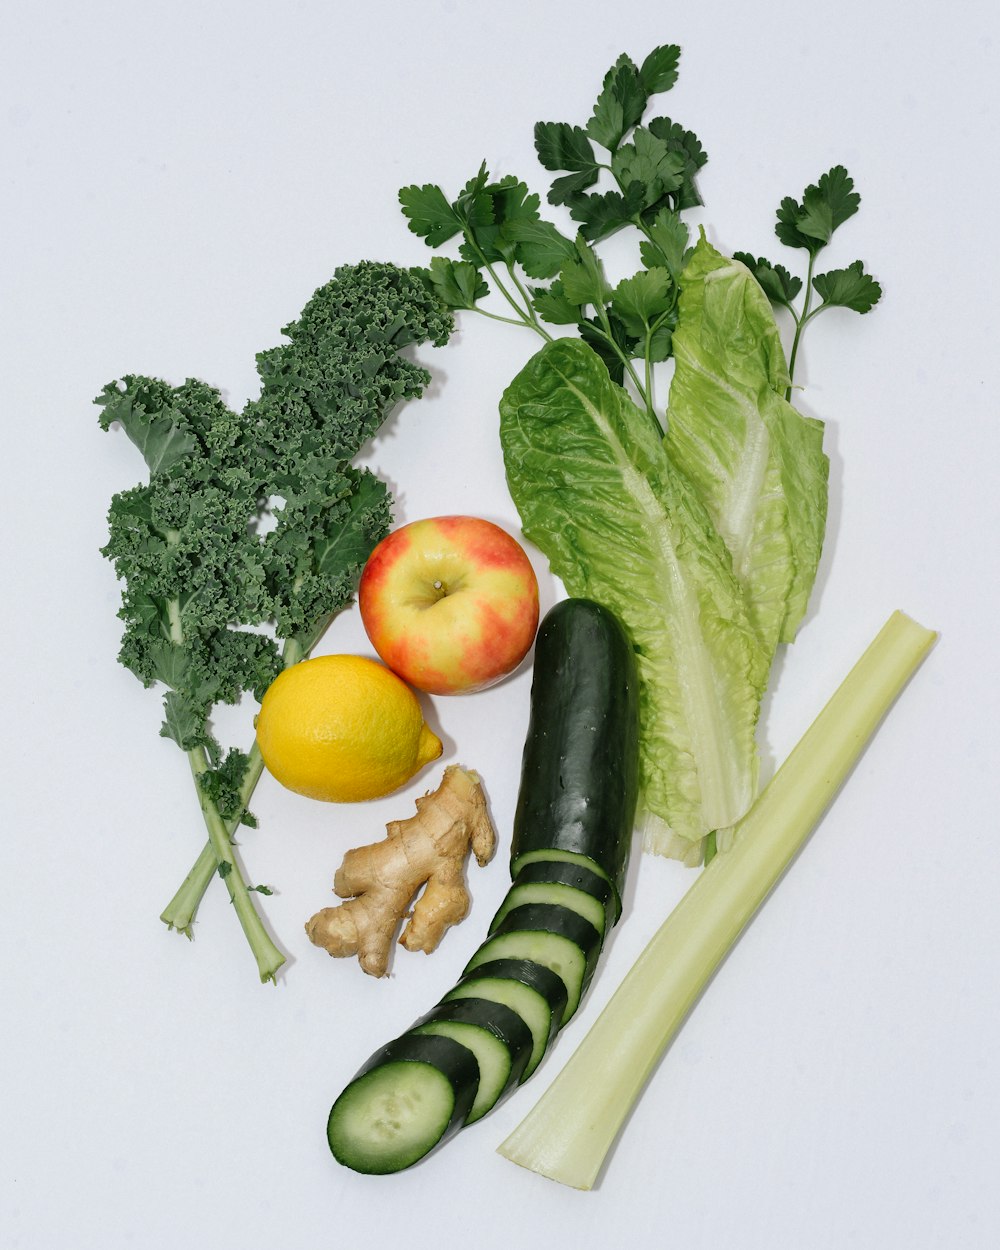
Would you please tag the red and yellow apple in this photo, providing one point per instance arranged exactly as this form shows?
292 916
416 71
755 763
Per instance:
450 603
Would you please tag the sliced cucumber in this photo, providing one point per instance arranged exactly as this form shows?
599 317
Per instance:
408 1098
585 877
496 1035
519 862
503 979
583 904
569 849
530 1006
549 935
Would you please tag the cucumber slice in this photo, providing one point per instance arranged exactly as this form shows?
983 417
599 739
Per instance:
583 904
491 1054
496 1035
517 974
581 876
412 1095
529 1005
549 935
547 856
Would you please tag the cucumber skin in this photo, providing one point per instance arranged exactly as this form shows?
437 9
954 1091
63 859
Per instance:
580 769
551 918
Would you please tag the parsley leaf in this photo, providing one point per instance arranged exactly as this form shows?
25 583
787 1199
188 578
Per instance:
848 288
602 214
540 248
564 147
658 71
582 278
667 245
648 162
640 300
552 305
561 146
429 214
779 285
457 283
619 106
825 206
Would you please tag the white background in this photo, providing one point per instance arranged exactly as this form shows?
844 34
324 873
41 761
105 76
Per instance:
177 179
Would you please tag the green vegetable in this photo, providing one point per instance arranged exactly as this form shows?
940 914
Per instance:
200 580
583 725
652 168
526 980
810 225
411 1096
568 1134
742 484
756 463
620 523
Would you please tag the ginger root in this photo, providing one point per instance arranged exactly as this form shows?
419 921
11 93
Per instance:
379 881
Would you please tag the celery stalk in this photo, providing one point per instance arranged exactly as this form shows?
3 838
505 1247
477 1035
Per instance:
570 1131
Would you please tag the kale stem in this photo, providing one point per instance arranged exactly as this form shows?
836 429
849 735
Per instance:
269 958
179 913
800 325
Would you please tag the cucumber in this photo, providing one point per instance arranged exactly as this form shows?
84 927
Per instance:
573 873
528 858
496 1035
572 835
409 1097
553 936
580 770
568 884
535 993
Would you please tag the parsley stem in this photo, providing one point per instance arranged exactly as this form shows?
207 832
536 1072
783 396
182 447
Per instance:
642 391
510 321
526 297
525 315
799 327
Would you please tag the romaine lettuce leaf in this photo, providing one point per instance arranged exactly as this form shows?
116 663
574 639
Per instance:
596 490
756 463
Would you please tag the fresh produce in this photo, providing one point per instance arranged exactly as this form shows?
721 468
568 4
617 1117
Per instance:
568 1134
597 488
343 728
199 576
450 603
379 881
735 491
572 833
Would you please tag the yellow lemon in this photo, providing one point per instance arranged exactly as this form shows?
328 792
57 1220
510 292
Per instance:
343 728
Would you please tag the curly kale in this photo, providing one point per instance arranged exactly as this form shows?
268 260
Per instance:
199 579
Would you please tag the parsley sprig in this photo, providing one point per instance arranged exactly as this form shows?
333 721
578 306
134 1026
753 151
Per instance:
809 224
649 168
547 278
